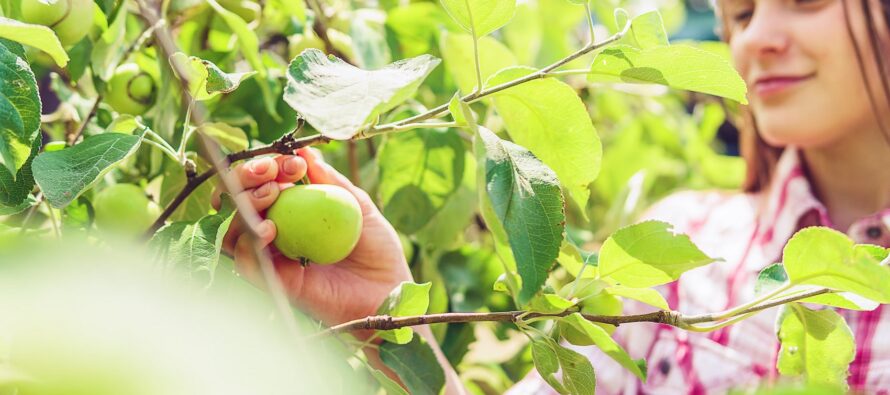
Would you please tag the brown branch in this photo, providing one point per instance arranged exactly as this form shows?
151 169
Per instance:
385 322
673 318
320 27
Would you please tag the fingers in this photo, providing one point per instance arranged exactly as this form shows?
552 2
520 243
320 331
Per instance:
245 259
255 173
291 168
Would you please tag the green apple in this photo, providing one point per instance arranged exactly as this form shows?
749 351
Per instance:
130 90
70 19
124 209
319 222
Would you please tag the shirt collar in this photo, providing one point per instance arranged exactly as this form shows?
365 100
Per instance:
789 204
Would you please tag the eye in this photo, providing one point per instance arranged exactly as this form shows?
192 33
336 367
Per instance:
744 15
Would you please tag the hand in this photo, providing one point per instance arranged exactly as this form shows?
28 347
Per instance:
350 289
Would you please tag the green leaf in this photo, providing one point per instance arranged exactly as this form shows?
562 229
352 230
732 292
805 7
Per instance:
19 108
205 79
645 295
578 266
549 304
549 118
249 45
577 372
64 175
195 246
405 300
609 346
457 53
774 276
37 36
340 100
649 254
646 31
769 278
445 229
415 364
527 200
816 344
388 385
15 191
419 171
825 257
231 138
480 17
677 66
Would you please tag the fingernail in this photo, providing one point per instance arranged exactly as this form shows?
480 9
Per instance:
263 191
261 166
291 166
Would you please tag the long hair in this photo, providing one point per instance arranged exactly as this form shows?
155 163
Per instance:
761 157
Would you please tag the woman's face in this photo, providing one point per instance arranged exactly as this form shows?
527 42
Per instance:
804 81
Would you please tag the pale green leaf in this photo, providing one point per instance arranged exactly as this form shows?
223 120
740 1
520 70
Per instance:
825 257
649 254
457 54
526 198
547 117
232 139
549 304
480 17
677 66
340 100
416 365
609 346
64 175
816 344
205 79
405 300
37 36
419 171
645 295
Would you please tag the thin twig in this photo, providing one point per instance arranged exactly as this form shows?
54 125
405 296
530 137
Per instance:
83 125
473 97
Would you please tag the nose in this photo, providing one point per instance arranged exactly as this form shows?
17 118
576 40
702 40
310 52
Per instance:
766 36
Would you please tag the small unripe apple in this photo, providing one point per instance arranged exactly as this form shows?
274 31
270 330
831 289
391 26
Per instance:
318 222
124 209
130 90
70 19
301 42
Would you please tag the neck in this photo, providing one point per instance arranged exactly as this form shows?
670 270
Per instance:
851 177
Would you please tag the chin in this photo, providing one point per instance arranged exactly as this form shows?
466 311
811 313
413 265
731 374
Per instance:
787 131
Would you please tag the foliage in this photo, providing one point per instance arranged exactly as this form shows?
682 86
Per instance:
510 143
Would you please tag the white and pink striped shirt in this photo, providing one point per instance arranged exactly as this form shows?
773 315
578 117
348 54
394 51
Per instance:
749 231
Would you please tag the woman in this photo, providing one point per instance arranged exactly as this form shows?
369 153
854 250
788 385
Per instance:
817 144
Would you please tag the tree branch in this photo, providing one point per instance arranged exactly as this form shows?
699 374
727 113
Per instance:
673 318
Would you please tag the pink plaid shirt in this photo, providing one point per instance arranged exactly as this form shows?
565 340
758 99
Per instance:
749 232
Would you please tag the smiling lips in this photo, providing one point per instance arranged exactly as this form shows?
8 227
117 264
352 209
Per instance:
772 85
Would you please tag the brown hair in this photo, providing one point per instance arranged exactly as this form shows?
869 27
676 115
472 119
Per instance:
760 157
